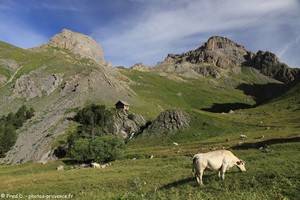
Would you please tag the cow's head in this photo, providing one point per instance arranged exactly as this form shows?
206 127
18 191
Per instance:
241 165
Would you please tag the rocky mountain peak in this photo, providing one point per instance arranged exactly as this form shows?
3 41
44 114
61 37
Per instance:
79 44
217 51
220 55
219 42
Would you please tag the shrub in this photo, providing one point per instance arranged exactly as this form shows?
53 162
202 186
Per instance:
99 149
94 120
80 150
8 126
90 141
107 148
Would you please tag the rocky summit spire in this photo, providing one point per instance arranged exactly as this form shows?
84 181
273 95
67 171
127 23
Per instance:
79 44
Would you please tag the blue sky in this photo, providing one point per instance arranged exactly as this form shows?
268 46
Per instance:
132 31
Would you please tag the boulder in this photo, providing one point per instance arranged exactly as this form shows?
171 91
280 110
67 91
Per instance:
169 121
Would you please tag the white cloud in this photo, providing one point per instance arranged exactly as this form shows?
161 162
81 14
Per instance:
157 31
289 45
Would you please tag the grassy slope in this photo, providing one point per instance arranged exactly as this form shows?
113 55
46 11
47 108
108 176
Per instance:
51 61
272 175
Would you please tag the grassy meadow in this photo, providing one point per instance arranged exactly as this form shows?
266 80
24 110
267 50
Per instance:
272 171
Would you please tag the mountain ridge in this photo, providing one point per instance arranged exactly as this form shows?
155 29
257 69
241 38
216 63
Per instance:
219 56
55 80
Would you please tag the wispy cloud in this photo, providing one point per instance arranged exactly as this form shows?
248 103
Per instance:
287 46
162 25
146 31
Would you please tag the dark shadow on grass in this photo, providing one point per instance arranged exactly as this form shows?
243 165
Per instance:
261 93
226 107
188 180
192 180
255 145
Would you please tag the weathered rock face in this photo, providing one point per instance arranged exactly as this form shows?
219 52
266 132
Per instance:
218 51
79 44
220 55
268 64
169 121
126 125
36 84
2 79
216 57
140 67
12 65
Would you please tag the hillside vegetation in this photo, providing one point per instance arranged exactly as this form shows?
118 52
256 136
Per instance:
221 106
271 171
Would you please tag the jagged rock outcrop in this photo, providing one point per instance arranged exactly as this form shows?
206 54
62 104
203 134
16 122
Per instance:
218 51
126 125
217 56
140 67
268 64
36 84
169 121
78 44
220 56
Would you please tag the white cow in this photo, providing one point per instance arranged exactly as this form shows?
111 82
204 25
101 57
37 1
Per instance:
220 160
95 165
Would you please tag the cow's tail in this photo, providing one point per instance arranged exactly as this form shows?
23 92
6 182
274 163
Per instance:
195 164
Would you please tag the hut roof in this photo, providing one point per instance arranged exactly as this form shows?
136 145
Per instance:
122 102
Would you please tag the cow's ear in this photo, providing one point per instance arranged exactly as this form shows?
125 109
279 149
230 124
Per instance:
238 162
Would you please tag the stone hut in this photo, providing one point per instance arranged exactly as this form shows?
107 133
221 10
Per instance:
122 105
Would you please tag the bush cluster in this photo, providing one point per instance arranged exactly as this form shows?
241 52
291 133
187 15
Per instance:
91 140
8 126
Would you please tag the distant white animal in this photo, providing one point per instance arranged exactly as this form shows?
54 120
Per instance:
220 160
175 143
242 136
95 165
60 168
105 165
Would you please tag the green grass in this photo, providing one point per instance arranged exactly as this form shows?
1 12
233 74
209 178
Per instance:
269 176
272 175
156 93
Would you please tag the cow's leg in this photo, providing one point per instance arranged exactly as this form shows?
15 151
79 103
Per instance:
223 170
219 173
201 174
198 178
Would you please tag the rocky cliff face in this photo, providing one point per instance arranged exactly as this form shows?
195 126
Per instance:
214 58
218 51
219 56
126 125
79 44
268 64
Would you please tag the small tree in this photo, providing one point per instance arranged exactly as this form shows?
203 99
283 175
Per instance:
80 150
99 149
106 148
